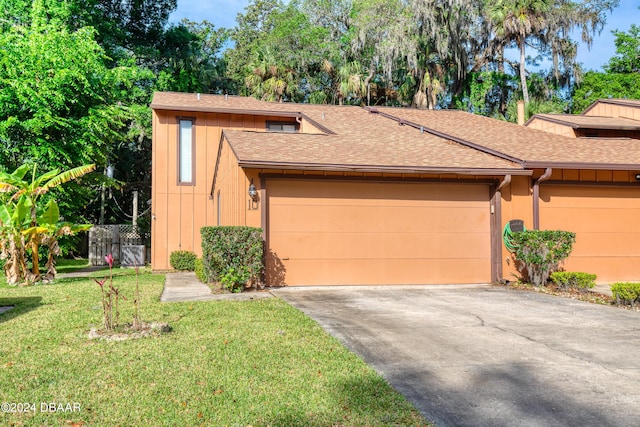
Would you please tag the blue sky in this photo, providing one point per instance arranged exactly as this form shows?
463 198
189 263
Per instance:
222 13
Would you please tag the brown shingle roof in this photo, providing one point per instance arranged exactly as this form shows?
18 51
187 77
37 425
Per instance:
365 143
590 122
180 101
451 139
534 147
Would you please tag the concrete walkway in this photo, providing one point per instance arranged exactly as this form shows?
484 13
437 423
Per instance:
85 272
186 287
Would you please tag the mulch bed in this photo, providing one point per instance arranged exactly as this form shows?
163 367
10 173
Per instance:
575 294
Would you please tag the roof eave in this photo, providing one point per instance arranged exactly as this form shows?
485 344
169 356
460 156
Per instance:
208 109
581 165
257 164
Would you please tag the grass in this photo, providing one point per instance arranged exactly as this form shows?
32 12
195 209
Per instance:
71 265
259 363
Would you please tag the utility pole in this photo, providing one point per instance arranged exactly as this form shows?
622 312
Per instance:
135 209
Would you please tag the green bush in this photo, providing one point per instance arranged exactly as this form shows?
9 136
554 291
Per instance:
540 252
183 260
626 293
235 279
199 270
224 248
576 280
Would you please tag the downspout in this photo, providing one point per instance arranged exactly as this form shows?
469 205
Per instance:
496 228
536 197
504 182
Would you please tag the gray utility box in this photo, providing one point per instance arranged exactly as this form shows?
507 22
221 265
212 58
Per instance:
132 255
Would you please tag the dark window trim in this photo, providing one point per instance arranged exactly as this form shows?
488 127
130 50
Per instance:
193 152
282 122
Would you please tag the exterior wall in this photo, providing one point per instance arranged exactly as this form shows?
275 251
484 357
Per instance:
179 211
600 206
232 192
551 127
612 110
516 203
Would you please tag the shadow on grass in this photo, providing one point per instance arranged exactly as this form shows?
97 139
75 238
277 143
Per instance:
20 306
360 401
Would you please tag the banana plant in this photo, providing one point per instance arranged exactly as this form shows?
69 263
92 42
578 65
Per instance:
13 218
48 230
26 192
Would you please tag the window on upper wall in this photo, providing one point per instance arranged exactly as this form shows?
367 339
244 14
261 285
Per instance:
283 126
186 152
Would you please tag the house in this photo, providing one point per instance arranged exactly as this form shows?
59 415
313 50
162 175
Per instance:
351 195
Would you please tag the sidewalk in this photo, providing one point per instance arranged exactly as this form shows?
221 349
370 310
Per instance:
186 287
85 272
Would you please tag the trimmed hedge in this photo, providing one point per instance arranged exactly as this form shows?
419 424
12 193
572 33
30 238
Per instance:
540 252
183 260
626 293
570 279
228 250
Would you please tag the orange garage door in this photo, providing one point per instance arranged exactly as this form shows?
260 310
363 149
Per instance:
606 221
353 232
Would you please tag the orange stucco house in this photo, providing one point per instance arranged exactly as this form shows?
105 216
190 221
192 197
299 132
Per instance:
350 195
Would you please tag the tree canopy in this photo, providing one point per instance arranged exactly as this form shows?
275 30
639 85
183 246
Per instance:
77 76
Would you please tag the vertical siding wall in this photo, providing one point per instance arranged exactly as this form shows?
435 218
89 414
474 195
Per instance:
550 127
179 211
516 204
517 199
612 110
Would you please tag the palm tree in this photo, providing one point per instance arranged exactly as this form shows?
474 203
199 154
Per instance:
516 20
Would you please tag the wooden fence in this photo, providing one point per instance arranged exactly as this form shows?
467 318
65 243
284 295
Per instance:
128 245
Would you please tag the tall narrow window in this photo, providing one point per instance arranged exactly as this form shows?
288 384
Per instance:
185 152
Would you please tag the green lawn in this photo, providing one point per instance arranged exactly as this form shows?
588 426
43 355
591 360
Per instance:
229 363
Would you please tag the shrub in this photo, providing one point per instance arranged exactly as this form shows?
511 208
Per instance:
183 260
626 293
224 248
577 280
540 252
235 279
199 270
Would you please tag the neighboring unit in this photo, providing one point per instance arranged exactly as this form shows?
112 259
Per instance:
350 195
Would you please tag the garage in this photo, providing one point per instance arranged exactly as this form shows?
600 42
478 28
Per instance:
341 232
607 226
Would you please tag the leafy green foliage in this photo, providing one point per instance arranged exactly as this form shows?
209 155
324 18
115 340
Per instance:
234 279
26 221
596 86
573 280
199 270
622 74
183 260
626 293
627 57
237 248
540 252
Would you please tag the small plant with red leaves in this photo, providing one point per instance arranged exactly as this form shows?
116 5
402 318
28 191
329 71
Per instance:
110 298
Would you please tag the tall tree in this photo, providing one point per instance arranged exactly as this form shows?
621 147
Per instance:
517 20
627 57
621 78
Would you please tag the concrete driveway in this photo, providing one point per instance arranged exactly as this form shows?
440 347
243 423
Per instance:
488 356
